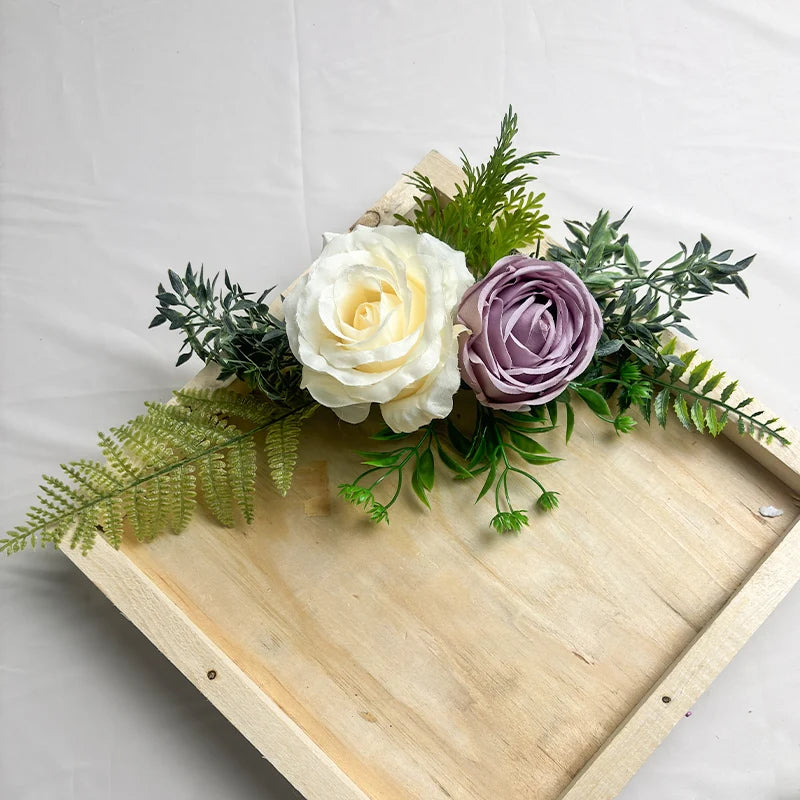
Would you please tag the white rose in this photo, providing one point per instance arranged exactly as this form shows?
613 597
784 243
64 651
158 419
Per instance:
372 321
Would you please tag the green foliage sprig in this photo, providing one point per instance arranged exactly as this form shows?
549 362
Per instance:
498 444
497 447
232 329
692 396
390 465
154 467
632 295
696 404
492 212
640 304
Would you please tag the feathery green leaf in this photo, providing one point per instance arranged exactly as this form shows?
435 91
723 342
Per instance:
154 464
282 441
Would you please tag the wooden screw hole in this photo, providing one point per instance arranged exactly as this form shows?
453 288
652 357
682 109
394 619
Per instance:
211 674
666 699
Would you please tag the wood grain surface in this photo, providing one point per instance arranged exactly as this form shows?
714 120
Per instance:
431 658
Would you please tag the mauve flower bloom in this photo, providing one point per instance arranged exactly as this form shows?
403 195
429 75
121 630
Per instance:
534 327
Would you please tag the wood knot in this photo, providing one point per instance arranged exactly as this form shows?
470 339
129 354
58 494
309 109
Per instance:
371 219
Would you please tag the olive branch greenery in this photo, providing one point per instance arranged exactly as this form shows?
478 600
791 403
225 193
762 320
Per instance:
640 305
631 294
234 329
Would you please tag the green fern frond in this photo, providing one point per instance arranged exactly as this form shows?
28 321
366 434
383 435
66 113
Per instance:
153 466
282 441
215 479
242 464
492 212
701 399
709 413
250 407
184 498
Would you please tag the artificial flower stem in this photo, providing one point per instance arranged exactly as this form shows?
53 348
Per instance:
397 467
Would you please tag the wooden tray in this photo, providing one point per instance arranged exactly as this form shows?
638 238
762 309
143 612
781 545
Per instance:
434 659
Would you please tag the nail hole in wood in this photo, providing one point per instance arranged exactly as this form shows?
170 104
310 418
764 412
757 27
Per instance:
211 674
666 699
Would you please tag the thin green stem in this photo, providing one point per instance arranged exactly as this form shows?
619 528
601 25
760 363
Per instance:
505 490
528 476
365 473
497 493
396 490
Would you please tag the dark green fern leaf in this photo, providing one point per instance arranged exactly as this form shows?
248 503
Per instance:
661 406
682 412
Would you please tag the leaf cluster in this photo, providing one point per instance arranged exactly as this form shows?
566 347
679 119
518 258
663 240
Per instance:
156 465
692 390
233 329
389 465
500 445
492 212
640 302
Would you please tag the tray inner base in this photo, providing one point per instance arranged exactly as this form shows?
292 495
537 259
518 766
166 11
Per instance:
432 658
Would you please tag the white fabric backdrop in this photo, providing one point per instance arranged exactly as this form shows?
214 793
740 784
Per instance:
137 136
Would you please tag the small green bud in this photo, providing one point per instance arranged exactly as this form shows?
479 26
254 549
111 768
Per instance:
548 501
624 424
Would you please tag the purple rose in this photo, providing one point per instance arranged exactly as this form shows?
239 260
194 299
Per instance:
534 327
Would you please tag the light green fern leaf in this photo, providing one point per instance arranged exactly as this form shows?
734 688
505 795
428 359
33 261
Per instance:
242 458
153 467
282 442
184 498
228 403
215 481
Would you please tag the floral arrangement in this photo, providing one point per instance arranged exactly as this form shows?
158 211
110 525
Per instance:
463 298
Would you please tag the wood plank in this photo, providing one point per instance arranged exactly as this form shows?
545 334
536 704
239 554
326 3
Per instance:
214 673
433 659
644 729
